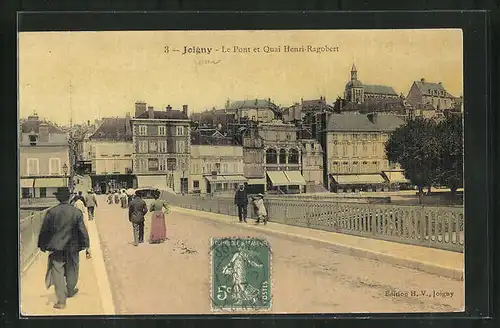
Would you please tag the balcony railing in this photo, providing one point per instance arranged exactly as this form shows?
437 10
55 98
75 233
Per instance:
437 227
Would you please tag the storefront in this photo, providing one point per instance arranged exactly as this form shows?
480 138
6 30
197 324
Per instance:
285 181
357 182
104 183
41 187
223 183
397 180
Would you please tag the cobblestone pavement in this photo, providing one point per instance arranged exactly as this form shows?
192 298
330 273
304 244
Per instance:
174 277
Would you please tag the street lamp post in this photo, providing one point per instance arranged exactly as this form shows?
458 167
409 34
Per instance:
65 171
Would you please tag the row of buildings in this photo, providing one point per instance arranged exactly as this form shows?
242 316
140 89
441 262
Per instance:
310 146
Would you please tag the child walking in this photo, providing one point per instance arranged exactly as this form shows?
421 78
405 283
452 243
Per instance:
259 208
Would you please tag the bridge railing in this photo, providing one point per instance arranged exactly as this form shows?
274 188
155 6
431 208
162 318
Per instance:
431 226
29 229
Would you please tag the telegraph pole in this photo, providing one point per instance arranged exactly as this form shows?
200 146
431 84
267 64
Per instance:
70 105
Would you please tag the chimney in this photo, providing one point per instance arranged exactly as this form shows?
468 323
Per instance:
128 127
151 112
440 83
169 108
140 108
43 132
372 117
88 122
422 80
185 110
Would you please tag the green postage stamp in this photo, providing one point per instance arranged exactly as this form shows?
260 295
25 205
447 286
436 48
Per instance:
241 274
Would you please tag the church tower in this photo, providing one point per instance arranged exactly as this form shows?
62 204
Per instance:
354 73
354 90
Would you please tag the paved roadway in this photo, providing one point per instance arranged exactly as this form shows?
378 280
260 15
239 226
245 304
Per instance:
174 277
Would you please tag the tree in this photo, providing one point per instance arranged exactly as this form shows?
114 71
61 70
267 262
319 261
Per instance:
451 172
415 147
430 152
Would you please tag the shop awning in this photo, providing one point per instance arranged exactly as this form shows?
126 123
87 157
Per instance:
26 183
215 178
258 181
51 182
278 178
396 177
235 178
358 179
295 178
152 181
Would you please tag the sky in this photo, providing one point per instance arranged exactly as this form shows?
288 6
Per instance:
110 71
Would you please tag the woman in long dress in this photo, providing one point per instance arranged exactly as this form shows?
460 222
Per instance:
81 206
158 230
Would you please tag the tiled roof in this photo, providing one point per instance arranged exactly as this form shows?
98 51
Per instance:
173 114
426 88
360 122
256 103
313 102
379 89
113 128
33 125
376 105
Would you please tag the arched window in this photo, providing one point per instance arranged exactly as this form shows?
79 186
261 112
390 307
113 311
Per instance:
293 157
271 156
282 157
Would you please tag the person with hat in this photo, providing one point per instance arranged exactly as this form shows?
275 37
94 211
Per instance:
137 209
91 203
241 200
260 208
64 235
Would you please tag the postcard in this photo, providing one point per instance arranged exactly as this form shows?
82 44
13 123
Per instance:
241 172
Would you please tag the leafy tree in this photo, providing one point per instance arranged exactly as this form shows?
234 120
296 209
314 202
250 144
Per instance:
430 152
450 132
415 147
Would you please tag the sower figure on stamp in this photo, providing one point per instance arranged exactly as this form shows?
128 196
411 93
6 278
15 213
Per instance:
64 234
136 211
241 200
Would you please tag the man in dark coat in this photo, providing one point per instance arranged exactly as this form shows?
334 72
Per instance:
241 200
64 234
137 209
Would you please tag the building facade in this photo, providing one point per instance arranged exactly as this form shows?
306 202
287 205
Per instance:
216 168
161 143
110 151
44 162
282 157
356 150
357 92
425 94
253 158
312 164
258 110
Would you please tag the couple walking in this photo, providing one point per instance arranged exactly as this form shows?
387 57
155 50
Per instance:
85 204
138 209
241 201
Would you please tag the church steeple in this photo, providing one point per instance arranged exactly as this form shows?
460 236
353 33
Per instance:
354 73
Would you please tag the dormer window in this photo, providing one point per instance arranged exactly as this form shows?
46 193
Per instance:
33 137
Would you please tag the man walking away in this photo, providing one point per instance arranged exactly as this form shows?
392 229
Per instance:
136 211
64 234
241 200
123 199
91 202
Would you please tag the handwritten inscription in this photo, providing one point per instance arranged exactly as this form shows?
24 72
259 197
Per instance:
241 49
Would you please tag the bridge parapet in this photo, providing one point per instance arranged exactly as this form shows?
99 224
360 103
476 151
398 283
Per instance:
430 226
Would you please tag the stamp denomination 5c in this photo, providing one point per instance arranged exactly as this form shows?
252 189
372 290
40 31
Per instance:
241 278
